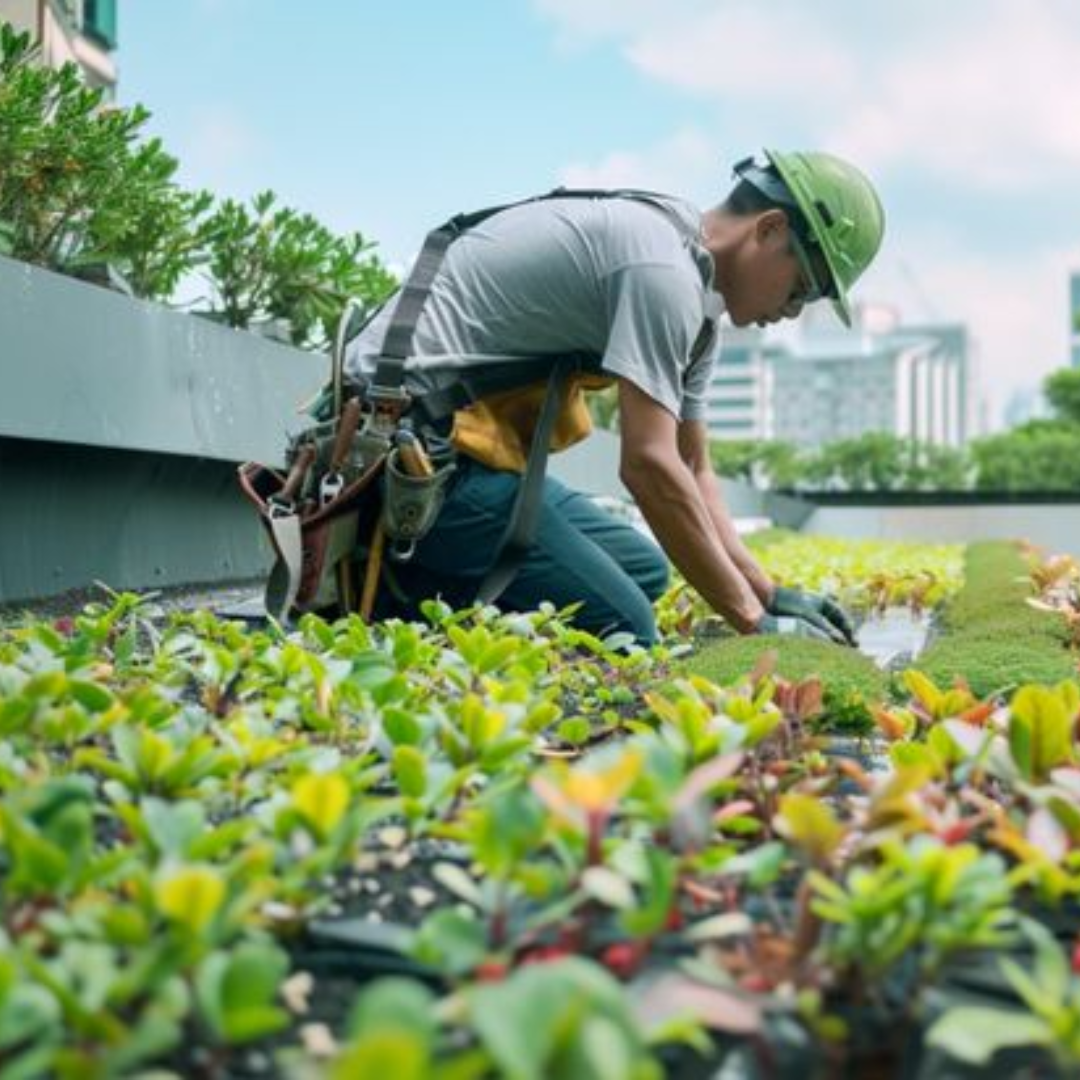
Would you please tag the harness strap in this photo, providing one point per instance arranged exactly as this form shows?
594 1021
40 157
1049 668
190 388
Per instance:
470 385
525 515
389 376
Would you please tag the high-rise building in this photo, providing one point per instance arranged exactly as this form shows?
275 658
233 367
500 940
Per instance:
738 404
828 383
1074 319
77 31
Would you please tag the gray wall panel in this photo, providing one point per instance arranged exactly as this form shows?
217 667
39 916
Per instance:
81 364
72 515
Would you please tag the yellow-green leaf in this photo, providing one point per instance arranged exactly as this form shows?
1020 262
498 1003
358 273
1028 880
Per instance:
321 799
410 771
924 691
190 895
1040 730
810 825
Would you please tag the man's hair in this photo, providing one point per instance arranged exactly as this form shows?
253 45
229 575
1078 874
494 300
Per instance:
745 199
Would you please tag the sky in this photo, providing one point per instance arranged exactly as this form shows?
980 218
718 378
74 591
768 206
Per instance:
386 117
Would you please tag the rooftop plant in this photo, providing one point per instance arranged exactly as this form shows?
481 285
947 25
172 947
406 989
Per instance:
267 261
182 800
80 184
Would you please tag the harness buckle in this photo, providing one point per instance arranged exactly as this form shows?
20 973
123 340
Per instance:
277 507
330 487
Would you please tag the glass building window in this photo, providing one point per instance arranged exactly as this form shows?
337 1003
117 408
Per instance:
99 21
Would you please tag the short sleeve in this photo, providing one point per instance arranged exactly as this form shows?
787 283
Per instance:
655 319
699 375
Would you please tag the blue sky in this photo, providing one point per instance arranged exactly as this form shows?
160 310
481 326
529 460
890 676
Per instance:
387 116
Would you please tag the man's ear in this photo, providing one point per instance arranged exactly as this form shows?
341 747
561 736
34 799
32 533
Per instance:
771 227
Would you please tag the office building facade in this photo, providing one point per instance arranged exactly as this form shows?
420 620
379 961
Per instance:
911 381
83 32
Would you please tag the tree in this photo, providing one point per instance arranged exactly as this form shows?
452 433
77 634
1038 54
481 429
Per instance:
1062 390
1035 457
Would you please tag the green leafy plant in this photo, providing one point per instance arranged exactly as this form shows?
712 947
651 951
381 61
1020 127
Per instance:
77 186
565 1018
1050 1019
236 991
924 896
267 261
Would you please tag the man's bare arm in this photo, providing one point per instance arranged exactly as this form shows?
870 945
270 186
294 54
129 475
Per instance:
693 442
671 499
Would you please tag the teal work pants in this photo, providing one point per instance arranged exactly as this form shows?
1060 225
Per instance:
581 554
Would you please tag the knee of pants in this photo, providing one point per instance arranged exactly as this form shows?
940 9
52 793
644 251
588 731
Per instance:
654 575
630 612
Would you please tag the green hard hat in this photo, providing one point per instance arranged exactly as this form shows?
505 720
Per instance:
842 212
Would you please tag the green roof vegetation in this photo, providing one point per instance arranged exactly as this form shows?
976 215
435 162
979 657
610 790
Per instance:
852 682
990 635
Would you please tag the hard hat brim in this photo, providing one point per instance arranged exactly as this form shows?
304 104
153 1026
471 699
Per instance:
841 303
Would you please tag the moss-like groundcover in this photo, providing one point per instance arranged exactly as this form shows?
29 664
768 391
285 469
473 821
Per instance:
852 682
990 636
986 635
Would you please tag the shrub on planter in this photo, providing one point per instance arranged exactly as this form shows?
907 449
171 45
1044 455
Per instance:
268 261
75 185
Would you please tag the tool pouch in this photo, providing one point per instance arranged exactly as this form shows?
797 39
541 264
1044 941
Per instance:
315 533
411 504
321 512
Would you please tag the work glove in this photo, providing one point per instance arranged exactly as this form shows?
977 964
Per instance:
821 611
791 626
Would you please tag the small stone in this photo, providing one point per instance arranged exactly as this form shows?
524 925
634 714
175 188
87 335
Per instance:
385 900
301 844
422 897
367 862
400 859
277 911
318 1040
374 916
296 990
393 836
257 1062
371 885
334 911
355 886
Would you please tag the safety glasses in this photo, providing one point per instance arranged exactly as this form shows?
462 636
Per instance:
816 281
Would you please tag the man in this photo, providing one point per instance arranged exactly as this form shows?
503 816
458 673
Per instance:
638 282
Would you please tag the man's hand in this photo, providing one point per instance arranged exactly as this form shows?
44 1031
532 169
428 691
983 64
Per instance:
822 612
791 626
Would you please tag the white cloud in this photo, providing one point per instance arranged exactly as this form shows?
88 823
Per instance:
993 103
580 22
740 51
686 162
983 91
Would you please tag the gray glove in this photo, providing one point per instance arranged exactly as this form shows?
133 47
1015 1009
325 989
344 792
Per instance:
790 626
821 611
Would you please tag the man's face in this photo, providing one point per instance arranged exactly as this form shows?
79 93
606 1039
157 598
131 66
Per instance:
771 277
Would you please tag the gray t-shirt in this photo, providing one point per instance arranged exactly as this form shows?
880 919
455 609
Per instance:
614 277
